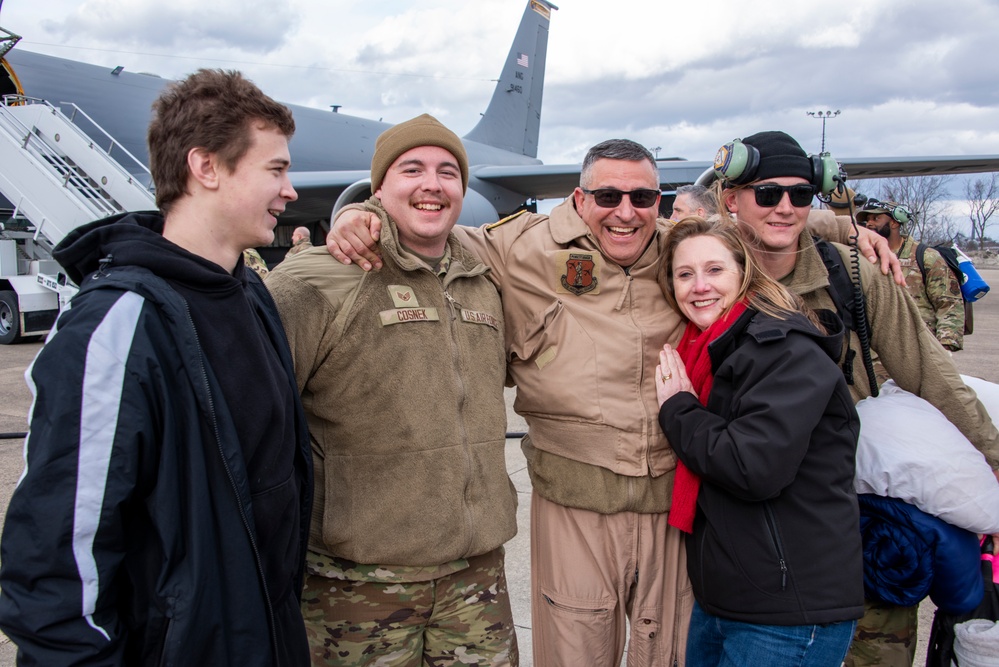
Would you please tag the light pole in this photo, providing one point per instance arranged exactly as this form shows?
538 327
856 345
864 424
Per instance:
824 115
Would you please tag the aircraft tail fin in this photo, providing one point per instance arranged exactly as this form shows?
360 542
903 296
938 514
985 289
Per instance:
513 119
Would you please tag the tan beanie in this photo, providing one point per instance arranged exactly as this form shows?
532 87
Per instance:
423 130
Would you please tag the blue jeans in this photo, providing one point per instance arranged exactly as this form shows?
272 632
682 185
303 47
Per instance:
718 642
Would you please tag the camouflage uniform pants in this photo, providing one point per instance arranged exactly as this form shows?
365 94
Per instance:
885 636
459 619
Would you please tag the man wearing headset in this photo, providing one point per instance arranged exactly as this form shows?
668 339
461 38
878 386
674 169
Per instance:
934 287
767 186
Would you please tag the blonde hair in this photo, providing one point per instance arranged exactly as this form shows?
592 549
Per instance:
763 292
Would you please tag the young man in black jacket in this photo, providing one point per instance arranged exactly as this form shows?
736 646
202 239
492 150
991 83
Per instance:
164 509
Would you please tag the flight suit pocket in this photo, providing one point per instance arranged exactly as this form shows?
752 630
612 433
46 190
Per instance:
553 360
581 631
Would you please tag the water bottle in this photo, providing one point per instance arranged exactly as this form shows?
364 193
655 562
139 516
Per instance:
974 286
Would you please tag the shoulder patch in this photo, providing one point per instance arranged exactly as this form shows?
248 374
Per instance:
507 219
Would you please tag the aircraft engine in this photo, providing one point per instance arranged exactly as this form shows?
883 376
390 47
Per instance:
475 211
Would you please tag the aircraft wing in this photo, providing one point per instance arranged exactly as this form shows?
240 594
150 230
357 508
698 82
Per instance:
318 190
887 167
556 181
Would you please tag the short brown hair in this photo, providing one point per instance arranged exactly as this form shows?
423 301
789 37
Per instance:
211 109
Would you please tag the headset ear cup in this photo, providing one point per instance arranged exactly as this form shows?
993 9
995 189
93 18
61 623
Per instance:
736 163
825 169
900 215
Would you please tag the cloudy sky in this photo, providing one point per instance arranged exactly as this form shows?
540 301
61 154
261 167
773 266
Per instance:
911 77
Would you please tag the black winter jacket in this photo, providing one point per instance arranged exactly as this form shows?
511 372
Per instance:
776 536
132 538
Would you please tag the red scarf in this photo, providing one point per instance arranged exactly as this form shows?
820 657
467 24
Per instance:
693 350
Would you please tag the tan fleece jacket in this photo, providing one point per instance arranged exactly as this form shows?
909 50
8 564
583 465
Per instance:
401 373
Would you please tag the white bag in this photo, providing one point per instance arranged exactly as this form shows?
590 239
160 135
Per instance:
908 450
976 643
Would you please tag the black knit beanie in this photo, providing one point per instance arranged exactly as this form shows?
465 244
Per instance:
780 155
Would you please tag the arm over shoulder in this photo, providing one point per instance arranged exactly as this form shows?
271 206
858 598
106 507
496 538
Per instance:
492 243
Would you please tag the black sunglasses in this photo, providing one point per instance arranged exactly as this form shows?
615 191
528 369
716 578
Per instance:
769 195
611 198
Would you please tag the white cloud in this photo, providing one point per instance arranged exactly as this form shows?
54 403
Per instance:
910 77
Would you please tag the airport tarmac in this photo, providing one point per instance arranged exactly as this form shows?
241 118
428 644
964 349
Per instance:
980 358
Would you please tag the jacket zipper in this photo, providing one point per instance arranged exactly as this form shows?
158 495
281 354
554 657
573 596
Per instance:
235 490
455 309
778 545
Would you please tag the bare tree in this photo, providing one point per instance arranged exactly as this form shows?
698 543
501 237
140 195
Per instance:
924 196
983 202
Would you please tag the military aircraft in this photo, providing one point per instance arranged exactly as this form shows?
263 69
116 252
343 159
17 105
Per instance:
331 152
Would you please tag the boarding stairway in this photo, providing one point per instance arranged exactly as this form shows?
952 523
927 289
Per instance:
56 176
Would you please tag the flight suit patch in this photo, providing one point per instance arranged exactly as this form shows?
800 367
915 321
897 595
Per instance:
578 272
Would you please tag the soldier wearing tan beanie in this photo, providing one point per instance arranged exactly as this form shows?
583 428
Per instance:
424 130
413 502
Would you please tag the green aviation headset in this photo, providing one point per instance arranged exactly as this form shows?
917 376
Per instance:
898 213
736 163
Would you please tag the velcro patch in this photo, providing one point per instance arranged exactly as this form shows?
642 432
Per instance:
477 317
403 296
404 315
577 272
546 357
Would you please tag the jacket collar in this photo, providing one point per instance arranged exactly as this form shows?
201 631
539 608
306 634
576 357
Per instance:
461 262
766 329
809 274
568 228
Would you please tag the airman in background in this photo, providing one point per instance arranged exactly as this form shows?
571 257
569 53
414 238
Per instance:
693 200
938 295
301 239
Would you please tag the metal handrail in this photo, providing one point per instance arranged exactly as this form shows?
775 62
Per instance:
114 142
100 203
13 99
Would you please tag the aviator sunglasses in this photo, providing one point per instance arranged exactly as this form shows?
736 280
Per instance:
611 198
769 195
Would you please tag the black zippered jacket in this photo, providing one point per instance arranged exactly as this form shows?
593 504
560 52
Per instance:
141 532
776 536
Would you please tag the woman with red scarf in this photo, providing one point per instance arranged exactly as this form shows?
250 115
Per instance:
762 422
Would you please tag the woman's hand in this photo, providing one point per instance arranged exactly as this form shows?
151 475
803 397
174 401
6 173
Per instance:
671 376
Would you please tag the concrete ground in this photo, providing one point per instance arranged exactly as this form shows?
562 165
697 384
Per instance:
980 358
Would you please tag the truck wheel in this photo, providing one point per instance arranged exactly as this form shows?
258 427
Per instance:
10 318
